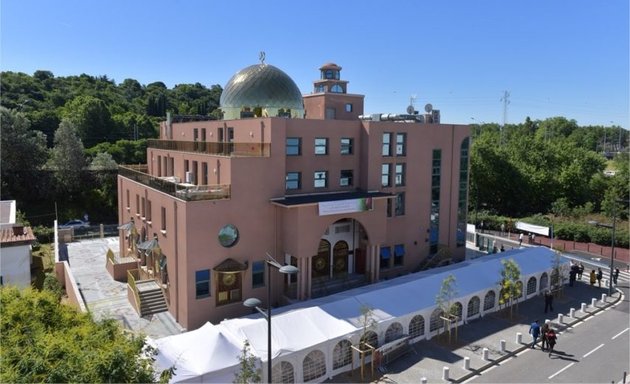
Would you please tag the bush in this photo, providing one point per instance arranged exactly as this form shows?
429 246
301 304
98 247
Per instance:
44 234
52 284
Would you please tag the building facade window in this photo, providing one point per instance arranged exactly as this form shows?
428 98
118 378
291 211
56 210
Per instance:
346 145
128 201
202 283
163 219
293 180
204 173
348 107
434 221
400 175
149 214
386 170
321 146
143 205
387 144
399 254
462 207
258 274
386 255
137 205
400 204
336 88
401 144
320 179
294 146
346 179
390 208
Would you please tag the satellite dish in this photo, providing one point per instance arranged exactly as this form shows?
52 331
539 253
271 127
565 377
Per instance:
428 108
410 110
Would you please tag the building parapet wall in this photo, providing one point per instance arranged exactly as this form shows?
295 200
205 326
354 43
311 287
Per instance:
211 148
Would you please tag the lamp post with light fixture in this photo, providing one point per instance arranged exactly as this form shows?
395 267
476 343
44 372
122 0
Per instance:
256 303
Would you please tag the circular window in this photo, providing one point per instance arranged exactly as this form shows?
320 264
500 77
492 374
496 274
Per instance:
228 236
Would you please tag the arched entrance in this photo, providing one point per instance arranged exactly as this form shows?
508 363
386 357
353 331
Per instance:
340 262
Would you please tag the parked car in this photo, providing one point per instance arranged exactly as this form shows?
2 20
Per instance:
76 223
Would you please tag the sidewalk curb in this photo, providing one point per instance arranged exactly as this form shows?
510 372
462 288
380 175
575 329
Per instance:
478 371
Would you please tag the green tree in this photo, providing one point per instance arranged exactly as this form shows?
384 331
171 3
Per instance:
23 153
45 341
67 159
92 119
510 286
250 371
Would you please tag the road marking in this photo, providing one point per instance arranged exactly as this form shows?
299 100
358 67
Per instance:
552 376
601 345
619 334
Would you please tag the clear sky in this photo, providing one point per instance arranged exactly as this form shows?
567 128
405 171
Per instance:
555 58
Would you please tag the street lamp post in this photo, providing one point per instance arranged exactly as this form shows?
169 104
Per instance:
612 247
256 303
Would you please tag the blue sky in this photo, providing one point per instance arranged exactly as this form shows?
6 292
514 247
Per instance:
556 58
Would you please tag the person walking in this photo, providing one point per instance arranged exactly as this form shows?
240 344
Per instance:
520 239
551 339
580 271
548 301
592 277
534 330
615 276
599 277
534 238
543 335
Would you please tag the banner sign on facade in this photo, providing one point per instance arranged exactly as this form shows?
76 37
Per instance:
345 206
540 230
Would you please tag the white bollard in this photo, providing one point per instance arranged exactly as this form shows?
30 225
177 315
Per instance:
572 313
502 345
467 363
583 307
593 302
423 380
485 354
519 338
604 296
445 373
560 316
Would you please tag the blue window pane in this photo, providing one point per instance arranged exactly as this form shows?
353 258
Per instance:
399 250
202 275
259 266
385 253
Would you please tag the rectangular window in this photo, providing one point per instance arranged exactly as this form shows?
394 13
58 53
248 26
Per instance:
293 180
387 144
195 134
401 144
163 218
348 107
400 204
204 173
345 179
143 205
149 210
137 205
195 169
159 165
386 255
258 274
346 146
321 146
202 283
294 146
389 207
320 179
186 166
400 174
399 254
128 201
385 172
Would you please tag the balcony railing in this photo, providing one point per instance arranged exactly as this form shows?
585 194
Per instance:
223 149
184 191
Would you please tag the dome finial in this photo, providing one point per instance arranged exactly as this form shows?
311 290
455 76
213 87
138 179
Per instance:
261 57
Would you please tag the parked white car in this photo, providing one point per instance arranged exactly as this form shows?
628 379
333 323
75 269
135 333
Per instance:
76 223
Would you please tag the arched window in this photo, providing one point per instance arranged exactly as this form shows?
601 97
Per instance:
314 365
342 354
283 373
416 326
394 331
544 281
340 257
489 301
457 310
336 88
473 307
531 285
436 321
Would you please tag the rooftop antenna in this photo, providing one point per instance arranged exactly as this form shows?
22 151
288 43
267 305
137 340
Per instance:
506 100
411 109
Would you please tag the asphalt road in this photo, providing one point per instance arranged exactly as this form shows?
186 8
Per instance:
594 351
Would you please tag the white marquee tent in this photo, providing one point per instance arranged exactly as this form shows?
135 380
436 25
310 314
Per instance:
315 328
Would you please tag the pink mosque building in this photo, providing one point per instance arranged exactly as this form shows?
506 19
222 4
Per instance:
308 180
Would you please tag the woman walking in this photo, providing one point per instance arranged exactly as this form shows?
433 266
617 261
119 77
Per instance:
551 339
